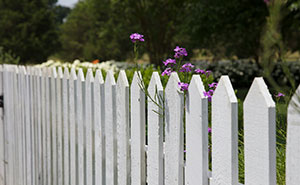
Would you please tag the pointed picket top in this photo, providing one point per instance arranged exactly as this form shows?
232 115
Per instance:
73 75
80 75
110 79
99 77
89 75
224 134
155 132
172 85
59 72
196 85
23 70
259 90
293 140
137 80
224 88
155 84
196 170
53 72
173 132
122 79
66 74
38 71
260 135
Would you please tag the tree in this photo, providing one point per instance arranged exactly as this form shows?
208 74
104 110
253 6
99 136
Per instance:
28 29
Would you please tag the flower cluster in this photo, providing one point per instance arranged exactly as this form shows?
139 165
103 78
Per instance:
136 37
211 90
279 95
179 52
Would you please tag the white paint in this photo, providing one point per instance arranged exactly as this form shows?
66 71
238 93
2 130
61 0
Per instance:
2 132
259 135
293 141
173 132
110 129
196 134
155 132
72 125
224 134
122 102
80 128
88 127
56 127
137 98
59 124
98 119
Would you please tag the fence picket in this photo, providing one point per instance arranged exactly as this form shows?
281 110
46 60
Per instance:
293 140
80 127
48 127
259 135
72 125
110 129
98 116
224 134
196 170
173 132
88 126
2 132
122 98
137 99
155 131
9 123
65 125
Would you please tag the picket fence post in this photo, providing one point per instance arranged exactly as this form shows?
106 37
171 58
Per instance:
122 102
259 135
196 170
293 140
173 132
155 169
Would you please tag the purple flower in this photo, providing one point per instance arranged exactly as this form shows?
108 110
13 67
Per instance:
186 67
169 61
199 71
213 85
180 52
208 72
208 94
183 86
279 95
209 130
167 71
136 37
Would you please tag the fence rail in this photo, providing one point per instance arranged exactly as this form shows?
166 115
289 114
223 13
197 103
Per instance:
61 127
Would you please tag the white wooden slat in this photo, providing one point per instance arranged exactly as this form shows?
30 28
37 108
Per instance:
59 126
54 126
155 132
44 124
80 128
224 134
88 127
72 116
17 127
65 126
137 102
22 92
122 102
293 141
48 128
2 145
32 123
110 129
35 123
196 170
98 116
259 135
7 124
39 123
173 132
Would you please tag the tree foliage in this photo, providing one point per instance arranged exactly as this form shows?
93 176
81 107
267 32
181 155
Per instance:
28 29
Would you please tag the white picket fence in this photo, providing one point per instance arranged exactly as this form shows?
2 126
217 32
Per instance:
61 128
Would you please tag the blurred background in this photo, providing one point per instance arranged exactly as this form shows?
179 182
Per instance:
241 38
